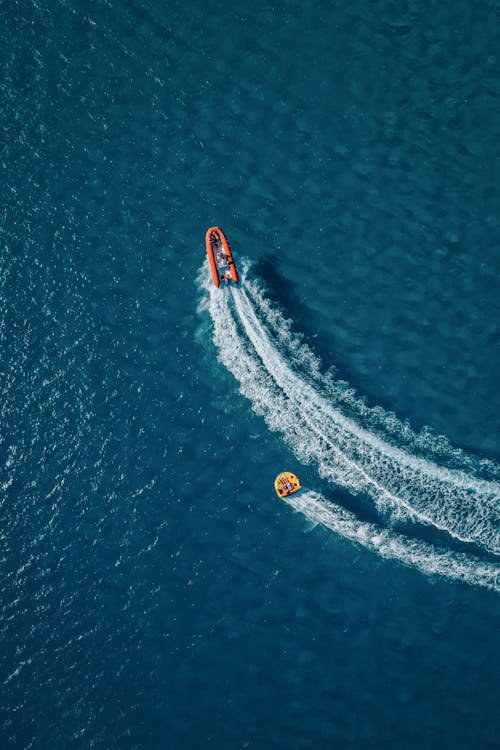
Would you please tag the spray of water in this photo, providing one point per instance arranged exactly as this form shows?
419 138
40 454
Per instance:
390 545
324 423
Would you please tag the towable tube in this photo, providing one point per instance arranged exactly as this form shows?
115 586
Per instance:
220 257
286 484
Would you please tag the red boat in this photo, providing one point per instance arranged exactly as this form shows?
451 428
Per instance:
220 257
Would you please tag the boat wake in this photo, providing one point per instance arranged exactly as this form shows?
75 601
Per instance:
364 450
388 544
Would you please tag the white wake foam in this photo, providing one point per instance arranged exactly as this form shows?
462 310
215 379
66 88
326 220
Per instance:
421 555
283 380
378 421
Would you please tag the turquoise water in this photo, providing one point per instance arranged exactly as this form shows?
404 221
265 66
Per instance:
154 591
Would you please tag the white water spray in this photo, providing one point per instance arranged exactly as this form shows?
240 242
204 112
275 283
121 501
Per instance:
282 379
392 546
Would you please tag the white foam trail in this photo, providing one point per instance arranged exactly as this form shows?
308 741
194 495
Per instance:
425 557
284 383
379 422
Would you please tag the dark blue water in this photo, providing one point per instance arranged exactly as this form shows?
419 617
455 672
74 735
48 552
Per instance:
154 592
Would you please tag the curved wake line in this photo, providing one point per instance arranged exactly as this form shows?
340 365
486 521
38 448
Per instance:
383 425
416 463
351 445
421 555
255 343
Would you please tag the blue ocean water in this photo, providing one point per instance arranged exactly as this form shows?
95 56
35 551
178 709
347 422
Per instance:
154 591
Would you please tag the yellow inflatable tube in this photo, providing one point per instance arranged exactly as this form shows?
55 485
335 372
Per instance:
286 483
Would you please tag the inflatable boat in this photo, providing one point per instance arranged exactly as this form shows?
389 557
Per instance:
220 257
286 484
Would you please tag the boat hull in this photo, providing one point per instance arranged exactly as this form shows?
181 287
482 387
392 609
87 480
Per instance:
220 257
